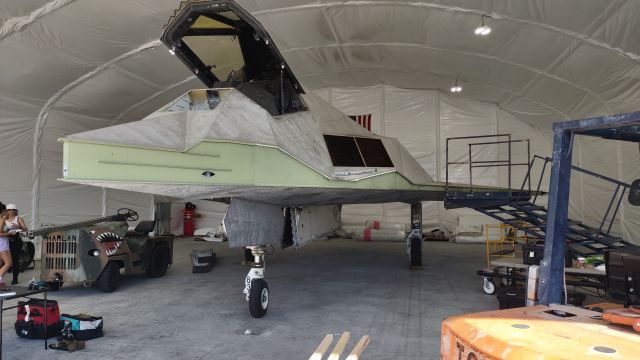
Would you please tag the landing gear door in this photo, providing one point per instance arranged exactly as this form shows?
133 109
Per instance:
250 223
314 222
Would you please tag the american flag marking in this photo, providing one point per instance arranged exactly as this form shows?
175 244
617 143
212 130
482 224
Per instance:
362 120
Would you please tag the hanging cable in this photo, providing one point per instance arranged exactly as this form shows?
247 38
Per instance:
281 88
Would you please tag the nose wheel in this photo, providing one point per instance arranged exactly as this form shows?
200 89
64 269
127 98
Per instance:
258 298
256 288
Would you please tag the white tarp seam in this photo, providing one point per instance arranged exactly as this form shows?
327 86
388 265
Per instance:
468 80
335 38
44 112
117 119
582 37
457 52
17 24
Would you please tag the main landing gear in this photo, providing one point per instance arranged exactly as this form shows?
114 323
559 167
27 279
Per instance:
255 287
414 239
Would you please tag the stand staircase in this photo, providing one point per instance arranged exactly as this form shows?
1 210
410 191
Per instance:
518 208
581 239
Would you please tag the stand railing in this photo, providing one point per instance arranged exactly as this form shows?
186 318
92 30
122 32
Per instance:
617 197
471 163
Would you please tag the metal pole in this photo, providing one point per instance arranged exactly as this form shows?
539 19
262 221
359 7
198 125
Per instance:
46 335
529 160
470 171
528 175
615 212
544 168
604 218
599 176
552 265
446 171
1 311
282 89
509 168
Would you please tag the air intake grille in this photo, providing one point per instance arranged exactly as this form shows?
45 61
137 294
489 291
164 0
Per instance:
61 263
61 253
62 247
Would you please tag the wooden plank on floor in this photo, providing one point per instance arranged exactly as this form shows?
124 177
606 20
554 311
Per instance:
359 348
322 348
340 345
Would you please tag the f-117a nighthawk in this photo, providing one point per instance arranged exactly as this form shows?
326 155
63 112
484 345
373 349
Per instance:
286 159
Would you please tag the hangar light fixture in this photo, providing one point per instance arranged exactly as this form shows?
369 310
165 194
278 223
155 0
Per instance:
456 88
483 30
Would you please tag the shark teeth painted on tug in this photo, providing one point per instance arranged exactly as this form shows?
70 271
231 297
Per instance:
110 241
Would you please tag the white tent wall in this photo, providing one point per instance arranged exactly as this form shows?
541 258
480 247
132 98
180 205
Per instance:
416 117
459 117
16 162
58 79
541 144
141 203
543 62
590 196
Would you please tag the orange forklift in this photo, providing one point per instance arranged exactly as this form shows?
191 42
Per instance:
558 332
600 331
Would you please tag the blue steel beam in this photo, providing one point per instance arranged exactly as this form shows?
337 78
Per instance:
552 265
627 133
604 122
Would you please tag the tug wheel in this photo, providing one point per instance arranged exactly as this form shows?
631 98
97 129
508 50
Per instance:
109 280
159 261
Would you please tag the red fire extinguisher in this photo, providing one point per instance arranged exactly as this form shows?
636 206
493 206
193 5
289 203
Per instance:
189 217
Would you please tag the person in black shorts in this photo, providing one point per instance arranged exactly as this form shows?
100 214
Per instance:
14 225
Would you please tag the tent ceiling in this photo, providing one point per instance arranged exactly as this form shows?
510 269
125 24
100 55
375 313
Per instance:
545 60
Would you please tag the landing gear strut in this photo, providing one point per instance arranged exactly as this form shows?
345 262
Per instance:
255 287
415 237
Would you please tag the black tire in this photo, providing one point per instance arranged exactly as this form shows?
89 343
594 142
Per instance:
159 261
258 298
109 280
416 253
26 256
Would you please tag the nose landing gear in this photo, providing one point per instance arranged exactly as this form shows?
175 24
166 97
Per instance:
256 289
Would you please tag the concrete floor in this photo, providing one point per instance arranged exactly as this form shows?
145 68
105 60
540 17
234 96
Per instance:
326 287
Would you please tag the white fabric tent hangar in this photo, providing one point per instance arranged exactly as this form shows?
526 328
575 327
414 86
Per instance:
68 66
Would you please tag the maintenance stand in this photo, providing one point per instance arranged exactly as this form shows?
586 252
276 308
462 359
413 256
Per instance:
624 127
